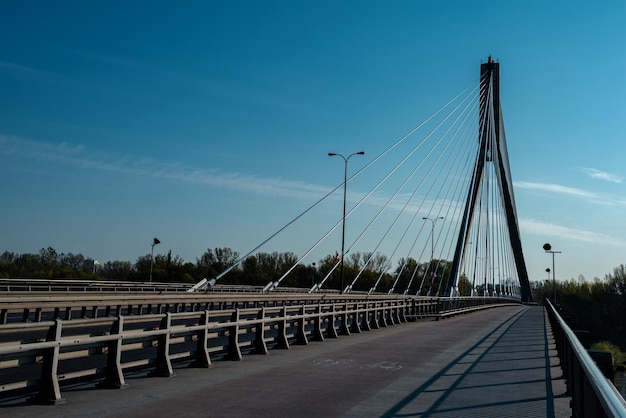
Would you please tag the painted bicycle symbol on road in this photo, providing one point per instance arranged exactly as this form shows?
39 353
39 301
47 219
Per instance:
326 362
385 365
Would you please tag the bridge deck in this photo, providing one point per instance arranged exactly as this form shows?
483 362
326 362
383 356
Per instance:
499 362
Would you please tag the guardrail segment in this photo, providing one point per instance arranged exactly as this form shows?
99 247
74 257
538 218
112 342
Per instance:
41 357
593 395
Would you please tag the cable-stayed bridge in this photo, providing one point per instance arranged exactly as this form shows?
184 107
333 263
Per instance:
438 202
443 209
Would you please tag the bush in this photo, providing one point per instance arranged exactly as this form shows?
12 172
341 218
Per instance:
617 356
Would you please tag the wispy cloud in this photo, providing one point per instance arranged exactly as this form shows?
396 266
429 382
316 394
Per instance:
18 68
80 156
601 175
570 191
534 227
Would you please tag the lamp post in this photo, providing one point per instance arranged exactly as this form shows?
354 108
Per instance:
343 219
432 235
154 242
432 246
548 249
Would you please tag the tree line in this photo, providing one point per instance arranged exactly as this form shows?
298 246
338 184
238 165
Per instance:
428 278
598 306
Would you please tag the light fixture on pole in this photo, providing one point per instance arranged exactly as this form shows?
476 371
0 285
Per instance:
432 235
548 248
154 242
432 248
343 219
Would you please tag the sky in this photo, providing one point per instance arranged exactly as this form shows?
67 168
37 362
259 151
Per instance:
208 123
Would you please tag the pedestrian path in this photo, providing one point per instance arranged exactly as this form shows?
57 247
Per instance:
500 362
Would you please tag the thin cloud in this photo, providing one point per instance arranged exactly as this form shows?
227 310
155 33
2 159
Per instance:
601 175
554 188
79 156
534 227
18 68
557 189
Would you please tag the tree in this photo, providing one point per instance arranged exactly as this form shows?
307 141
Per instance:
212 263
118 271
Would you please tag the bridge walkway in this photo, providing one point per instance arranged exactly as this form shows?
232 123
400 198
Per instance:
494 363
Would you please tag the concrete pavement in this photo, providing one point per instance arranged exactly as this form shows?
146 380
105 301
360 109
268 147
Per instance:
495 363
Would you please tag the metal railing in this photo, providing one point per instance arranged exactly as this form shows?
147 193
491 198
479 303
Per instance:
40 357
593 395
83 285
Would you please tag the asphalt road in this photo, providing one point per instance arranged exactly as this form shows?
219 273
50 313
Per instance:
499 362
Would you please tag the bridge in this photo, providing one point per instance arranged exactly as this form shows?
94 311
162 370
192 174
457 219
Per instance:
435 338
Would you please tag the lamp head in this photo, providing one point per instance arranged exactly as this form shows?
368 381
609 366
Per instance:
156 241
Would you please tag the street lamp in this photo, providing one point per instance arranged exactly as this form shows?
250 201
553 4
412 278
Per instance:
432 249
432 236
343 221
548 249
154 242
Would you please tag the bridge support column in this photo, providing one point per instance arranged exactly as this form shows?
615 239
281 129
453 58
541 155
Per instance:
282 340
365 323
259 337
331 331
317 326
163 361
345 330
203 360
234 352
114 375
355 326
375 315
49 391
301 336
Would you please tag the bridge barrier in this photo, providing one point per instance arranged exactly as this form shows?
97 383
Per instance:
61 351
78 285
593 395
37 307
40 357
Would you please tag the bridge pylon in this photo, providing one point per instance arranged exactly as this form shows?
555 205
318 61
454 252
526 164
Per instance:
492 156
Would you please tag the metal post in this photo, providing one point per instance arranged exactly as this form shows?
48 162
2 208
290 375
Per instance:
432 246
548 248
154 242
343 219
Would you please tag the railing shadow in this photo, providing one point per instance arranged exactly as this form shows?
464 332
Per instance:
485 381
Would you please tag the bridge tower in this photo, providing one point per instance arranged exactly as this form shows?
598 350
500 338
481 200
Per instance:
492 150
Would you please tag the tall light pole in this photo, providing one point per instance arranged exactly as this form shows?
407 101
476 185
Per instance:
432 235
343 219
432 248
154 242
548 248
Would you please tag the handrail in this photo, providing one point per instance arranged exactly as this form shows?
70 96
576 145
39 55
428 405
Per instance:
574 359
84 285
229 332
38 306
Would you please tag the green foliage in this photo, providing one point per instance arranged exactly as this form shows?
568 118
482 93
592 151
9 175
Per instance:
618 357
598 307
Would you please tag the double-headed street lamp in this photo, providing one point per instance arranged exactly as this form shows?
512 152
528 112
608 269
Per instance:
432 248
343 221
432 235
154 242
548 249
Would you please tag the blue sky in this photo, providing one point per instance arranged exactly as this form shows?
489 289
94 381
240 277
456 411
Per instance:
207 124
